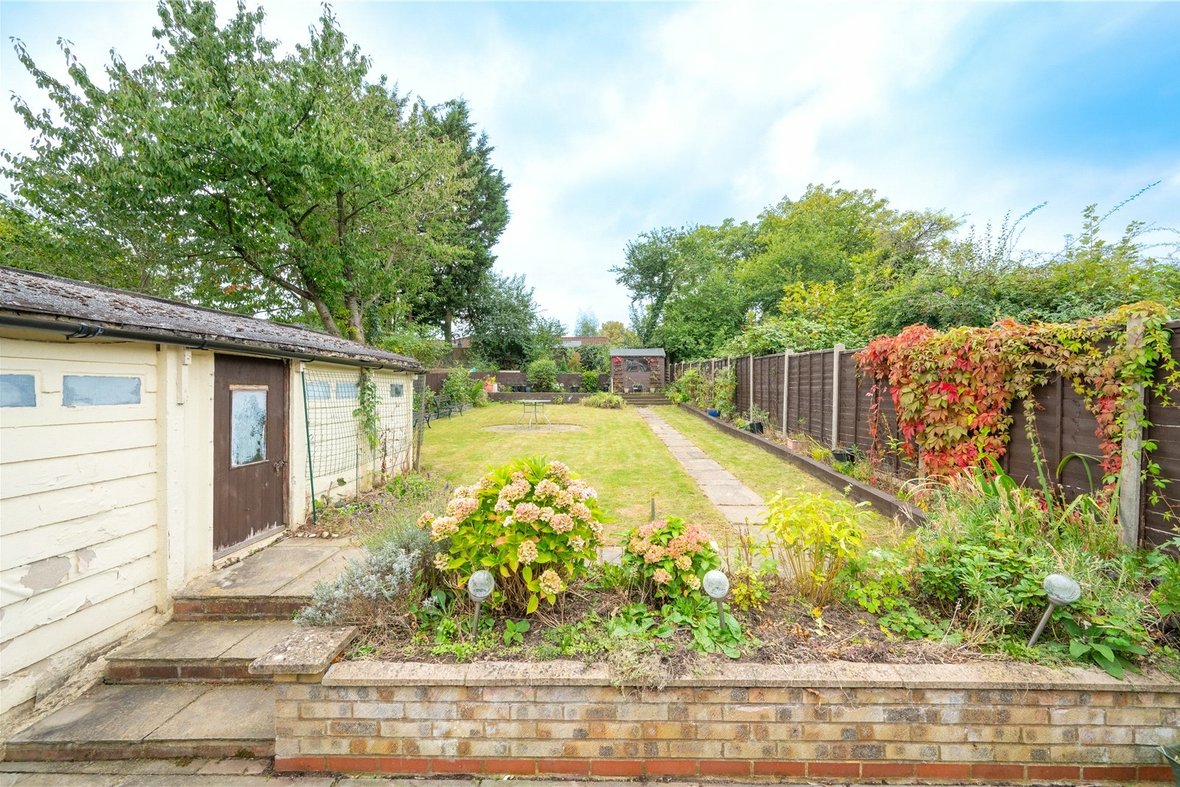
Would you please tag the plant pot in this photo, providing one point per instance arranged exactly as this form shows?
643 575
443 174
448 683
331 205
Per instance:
756 427
843 455
795 445
713 412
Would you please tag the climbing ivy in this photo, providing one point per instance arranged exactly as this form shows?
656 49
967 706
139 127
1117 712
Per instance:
366 410
954 391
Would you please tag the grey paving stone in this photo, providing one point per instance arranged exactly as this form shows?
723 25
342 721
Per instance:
263 636
263 573
304 584
59 780
112 714
179 640
243 713
234 767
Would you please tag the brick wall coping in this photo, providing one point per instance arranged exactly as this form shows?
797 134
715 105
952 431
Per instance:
308 650
989 675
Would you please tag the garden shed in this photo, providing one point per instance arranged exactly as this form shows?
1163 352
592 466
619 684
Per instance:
142 439
637 370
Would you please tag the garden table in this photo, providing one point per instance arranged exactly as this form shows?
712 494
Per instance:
533 410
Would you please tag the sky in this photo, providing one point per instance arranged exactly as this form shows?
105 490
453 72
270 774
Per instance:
613 118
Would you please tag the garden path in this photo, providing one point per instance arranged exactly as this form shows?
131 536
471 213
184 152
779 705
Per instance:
740 505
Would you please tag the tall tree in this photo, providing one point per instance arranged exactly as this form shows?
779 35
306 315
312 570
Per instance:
815 238
649 272
618 334
274 183
586 324
483 214
502 331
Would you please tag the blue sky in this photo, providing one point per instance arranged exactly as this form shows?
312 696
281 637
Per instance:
610 119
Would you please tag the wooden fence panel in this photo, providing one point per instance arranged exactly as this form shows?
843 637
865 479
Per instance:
1064 426
1161 508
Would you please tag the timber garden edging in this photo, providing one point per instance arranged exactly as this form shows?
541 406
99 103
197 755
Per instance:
834 720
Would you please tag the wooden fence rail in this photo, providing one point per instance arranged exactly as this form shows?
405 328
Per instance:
822 394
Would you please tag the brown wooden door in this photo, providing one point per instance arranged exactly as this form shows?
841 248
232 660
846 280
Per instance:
636 375
249 450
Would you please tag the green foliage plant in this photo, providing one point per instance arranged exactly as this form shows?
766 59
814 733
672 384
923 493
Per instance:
604 400
954 392
813 538
724 390
457 386
365 413
589 383
514 631
670 557
531 522
542 375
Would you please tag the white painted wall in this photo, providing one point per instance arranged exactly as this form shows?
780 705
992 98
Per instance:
103 509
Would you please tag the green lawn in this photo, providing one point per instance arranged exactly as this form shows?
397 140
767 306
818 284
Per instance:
615 452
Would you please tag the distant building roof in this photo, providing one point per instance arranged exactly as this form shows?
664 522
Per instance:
638 352
88 310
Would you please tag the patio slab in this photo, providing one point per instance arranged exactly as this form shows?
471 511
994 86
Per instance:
274 571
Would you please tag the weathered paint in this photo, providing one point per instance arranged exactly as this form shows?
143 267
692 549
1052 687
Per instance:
96 527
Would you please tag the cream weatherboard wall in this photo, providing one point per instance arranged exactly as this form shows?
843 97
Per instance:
105 509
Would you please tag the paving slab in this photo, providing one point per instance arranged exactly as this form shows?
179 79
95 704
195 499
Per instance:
737 502
177 640
221 713
111 714
265 572
304 584
263 636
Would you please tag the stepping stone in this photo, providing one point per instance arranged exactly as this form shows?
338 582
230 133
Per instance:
153 721
737 502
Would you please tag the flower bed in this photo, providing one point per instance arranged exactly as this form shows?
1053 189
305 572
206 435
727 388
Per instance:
851 722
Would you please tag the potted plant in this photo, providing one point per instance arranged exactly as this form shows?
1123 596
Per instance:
758 419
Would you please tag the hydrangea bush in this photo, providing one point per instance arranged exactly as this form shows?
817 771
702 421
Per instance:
532 522
670 557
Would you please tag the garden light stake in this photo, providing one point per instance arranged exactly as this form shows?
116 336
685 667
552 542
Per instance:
1061 591
479 587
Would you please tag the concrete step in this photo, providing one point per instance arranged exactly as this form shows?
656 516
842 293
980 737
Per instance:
260 608
211 651
268 585
153 722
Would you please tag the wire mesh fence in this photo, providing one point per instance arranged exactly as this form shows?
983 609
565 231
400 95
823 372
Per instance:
341 457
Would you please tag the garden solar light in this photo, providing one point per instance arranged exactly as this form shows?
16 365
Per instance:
479 587
1061 591
716 585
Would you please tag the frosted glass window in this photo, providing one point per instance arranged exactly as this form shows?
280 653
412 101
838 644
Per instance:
18 390
396 390
318 391
247 439
346 390
78 390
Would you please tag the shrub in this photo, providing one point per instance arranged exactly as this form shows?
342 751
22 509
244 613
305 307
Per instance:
670 557
375 589
589 382
814 537
542 375
604 400
531 522
456 386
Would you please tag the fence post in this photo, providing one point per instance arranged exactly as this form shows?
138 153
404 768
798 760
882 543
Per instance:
786 386
1130 482
750 412
836 392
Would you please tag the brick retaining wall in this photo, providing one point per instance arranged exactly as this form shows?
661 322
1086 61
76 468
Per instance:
842 721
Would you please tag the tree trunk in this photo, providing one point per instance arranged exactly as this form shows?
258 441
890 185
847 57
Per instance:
326 317
448 327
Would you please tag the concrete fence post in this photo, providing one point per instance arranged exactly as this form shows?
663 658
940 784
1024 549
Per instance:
1130 474
836 393
786 387
750 412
